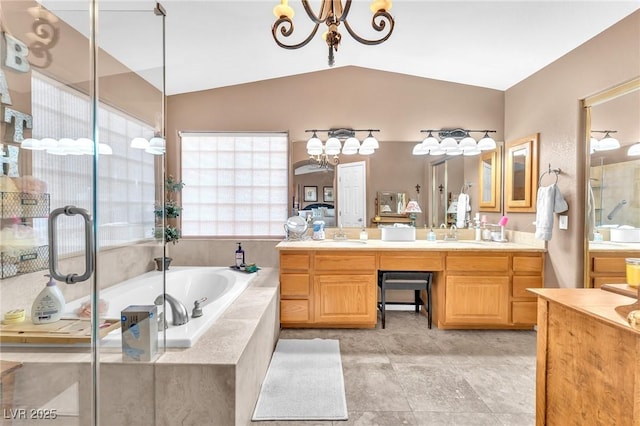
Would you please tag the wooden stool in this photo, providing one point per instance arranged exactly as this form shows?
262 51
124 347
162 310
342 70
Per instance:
405 280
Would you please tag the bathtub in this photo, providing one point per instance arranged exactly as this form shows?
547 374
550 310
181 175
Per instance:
221 286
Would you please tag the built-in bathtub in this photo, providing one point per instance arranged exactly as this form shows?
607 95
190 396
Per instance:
220 286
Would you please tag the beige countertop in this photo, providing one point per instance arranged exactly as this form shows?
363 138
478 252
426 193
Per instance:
594 302
374 244
610 246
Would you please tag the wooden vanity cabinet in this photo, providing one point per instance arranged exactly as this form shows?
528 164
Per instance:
488 289
608 267
336 289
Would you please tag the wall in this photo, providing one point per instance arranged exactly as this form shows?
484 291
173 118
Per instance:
548 102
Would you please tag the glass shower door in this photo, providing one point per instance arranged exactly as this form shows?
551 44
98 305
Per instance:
77 201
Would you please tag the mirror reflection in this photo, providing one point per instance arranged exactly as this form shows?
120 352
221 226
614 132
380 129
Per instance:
391 203
521 172
490 180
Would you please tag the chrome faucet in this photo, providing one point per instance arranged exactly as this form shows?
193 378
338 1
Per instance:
615 209
178 310
453 234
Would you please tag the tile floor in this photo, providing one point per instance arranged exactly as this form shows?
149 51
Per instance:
407 374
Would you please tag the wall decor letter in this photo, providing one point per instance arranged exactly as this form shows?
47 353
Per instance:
17 52
5 94
20 120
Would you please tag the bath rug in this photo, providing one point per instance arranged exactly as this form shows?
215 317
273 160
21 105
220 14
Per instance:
304 382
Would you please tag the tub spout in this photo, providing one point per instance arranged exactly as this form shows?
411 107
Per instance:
178 310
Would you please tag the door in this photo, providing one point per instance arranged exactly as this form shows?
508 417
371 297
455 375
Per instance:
84 198
352 195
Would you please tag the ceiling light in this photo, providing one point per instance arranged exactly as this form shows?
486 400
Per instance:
455 142
332 14
139 143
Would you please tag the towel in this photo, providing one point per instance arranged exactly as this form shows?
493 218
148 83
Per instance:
591 212
462 209
550 200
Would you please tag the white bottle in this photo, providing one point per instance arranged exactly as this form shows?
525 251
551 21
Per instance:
49 304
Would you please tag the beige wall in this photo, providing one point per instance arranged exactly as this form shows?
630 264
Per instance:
548 102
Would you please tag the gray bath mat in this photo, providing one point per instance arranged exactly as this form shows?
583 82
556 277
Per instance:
304 382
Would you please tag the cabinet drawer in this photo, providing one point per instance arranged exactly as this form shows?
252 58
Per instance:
522 283
478 263
294 285
332 262
411 262
598 281
527 264
524 313
609 264
294 311
295 261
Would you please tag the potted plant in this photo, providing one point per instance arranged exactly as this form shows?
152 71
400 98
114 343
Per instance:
166 215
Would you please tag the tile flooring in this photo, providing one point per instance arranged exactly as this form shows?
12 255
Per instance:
407 374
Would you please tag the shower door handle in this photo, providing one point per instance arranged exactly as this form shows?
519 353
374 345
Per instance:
53 249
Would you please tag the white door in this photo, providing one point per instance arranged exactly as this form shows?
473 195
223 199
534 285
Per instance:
352 195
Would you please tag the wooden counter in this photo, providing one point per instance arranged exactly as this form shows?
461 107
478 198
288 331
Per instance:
588 368
476 284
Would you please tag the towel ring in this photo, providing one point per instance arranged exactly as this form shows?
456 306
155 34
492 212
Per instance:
548 172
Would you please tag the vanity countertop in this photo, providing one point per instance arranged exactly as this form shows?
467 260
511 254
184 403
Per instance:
439 245
610 246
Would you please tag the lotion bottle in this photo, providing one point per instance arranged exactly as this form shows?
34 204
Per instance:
239 256
49 304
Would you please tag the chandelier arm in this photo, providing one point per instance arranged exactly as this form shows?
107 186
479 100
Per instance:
317 19
384 18
287 31
345 11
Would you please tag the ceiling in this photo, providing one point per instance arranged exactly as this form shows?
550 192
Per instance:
214 43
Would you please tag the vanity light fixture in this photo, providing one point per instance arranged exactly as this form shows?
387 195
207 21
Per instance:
154 146
65 146
634 149
331 13
607 143
454 142
327 154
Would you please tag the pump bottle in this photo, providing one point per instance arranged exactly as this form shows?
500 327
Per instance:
48 305
239 256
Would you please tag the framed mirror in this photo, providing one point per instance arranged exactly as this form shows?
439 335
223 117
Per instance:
521 174
490 181
391 204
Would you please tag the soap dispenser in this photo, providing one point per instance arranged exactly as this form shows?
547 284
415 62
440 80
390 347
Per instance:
49 304
239 256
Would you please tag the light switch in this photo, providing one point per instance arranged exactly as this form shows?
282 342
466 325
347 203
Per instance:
563 221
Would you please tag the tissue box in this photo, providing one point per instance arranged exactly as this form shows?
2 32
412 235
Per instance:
139 324
393 233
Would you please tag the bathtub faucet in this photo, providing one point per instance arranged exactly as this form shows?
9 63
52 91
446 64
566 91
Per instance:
178 310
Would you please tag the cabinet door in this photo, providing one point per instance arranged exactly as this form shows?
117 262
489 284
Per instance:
345 299
477 300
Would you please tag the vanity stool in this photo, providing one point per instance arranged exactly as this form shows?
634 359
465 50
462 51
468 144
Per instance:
405 280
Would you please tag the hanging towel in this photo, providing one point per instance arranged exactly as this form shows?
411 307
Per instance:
462 209
550 200
591 212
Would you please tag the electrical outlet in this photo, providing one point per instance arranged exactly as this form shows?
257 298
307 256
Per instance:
563 222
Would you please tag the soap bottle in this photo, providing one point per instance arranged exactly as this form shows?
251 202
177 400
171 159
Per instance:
363 234
239 256
431 236
48 305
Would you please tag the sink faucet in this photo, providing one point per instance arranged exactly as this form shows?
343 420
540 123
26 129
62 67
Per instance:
453 234
615 209
178 310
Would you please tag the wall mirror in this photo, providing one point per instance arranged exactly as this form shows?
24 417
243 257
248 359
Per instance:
490 181
612 181
447 179
391 204
521 174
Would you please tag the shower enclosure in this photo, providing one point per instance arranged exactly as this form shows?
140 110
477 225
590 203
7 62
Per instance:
79 81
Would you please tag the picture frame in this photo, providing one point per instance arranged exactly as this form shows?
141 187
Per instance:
311 193
327 194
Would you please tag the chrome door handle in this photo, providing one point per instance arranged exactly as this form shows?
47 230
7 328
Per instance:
53 249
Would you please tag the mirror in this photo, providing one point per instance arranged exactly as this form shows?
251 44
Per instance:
612 225
490 181
391 203
448 179
521 174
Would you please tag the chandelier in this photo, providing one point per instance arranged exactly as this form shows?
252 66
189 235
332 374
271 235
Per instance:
331 13
327 154
454 142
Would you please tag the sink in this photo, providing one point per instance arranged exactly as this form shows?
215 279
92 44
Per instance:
344 242
625 235
392 233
